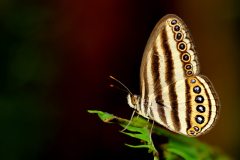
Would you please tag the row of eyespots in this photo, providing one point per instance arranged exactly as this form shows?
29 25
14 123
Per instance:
198 99
182 46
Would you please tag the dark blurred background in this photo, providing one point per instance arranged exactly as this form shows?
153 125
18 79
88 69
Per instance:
56 56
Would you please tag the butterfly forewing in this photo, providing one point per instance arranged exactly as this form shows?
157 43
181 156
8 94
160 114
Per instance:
170 81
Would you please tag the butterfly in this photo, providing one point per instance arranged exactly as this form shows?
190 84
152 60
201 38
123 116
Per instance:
173 92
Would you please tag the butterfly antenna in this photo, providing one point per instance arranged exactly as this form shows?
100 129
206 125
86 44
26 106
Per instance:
114 86
127 90
124 86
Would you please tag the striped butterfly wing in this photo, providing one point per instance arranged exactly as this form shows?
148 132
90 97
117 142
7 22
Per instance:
172 92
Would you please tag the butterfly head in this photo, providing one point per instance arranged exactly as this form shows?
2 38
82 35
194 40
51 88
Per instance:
133 101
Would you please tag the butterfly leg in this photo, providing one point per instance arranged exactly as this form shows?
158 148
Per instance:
151 129
129 121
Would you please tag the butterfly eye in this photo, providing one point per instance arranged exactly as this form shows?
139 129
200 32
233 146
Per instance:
134 99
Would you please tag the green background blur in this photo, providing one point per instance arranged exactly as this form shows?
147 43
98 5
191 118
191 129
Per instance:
56 56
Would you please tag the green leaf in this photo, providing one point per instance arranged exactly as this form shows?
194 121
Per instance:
137 146
105 117
176 147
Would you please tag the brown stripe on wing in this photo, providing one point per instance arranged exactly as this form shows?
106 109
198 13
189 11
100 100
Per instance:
146 97
170 78
188 105
151 114
155 65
